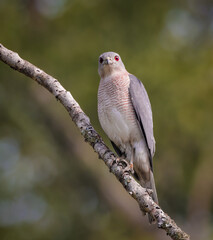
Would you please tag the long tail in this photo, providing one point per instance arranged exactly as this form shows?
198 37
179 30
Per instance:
150 184
144 171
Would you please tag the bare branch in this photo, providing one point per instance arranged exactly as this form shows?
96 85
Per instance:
120 168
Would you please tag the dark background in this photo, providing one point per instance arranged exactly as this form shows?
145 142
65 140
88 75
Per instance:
52 185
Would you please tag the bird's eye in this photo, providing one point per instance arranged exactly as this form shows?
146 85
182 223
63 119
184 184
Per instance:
101 60
116 58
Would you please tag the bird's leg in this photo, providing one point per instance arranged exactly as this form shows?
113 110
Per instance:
131 160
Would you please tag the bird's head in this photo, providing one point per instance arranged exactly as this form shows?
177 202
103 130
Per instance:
109 63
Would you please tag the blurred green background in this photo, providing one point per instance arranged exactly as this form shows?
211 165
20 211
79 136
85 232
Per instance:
52 185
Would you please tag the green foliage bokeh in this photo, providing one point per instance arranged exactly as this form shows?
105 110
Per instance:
46 192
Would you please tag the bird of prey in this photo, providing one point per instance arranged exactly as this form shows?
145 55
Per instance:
125 114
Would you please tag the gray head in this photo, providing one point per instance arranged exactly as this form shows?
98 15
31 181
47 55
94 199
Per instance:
109 62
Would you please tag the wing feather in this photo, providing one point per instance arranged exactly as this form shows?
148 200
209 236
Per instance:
143 111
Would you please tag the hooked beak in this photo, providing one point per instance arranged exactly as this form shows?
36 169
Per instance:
108 61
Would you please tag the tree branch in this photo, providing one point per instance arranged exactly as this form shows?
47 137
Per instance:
119 167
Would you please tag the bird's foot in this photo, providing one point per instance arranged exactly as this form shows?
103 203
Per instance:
126 167
131 168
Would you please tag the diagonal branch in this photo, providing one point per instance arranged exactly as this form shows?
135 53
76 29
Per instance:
120 168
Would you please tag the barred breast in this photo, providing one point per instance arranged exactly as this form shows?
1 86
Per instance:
115 110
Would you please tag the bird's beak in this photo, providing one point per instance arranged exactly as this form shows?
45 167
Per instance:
108 61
